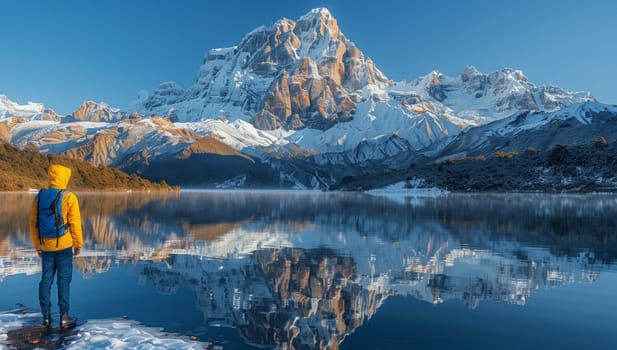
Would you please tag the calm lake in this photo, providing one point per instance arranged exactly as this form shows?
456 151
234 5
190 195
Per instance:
313 270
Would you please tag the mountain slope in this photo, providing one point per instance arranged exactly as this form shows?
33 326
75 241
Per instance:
205 162
22 170
577 124
573 149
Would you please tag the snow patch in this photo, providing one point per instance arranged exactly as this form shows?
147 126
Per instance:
126 334
104 334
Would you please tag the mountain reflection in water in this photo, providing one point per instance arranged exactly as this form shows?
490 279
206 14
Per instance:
298 269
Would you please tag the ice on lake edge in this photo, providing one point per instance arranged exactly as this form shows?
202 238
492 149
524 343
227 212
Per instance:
103 334
400 192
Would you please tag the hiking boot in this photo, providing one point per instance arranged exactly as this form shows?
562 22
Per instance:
47 319
67 321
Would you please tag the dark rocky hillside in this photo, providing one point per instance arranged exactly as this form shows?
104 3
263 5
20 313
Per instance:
562 167
211 170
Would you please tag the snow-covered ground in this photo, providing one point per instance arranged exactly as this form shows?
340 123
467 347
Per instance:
104 334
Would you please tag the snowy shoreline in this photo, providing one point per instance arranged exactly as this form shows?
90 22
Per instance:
104 334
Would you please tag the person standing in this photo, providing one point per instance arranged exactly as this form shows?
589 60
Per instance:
56 232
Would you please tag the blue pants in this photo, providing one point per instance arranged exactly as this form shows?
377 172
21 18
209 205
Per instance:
61 262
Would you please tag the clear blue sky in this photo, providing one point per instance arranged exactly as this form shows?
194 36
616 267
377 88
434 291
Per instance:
64 52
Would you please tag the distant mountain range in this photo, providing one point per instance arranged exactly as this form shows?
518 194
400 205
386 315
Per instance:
297 104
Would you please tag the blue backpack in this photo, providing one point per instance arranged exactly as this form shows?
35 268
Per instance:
49 214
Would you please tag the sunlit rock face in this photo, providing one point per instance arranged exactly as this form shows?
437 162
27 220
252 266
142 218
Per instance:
97 112
292 74
305 99
317 91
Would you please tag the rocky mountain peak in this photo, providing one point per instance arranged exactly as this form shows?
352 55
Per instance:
10 108
319 13
481 98
316 34
31 110
97 112
320 22
168 92
469 73
433 84
291 74
512 74
430 79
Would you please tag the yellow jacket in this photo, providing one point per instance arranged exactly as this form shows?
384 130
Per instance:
59 178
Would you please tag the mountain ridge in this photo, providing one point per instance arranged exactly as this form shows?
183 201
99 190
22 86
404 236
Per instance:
299 97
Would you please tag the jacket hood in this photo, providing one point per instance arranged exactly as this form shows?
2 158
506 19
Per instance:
59 176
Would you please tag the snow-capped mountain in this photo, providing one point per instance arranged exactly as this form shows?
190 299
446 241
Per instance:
307 78
482 98
296 96
98 112
291 74
29 111
576 124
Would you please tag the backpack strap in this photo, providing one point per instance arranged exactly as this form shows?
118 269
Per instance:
59 220
38 204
